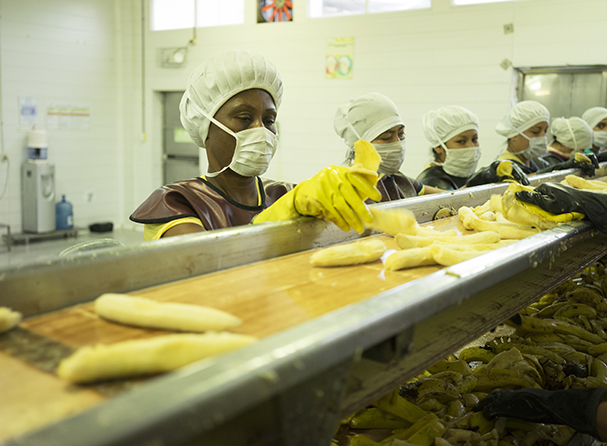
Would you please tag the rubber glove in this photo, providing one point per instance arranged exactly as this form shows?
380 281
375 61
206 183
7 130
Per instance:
497 172
336 193
576 408
586 163
558 199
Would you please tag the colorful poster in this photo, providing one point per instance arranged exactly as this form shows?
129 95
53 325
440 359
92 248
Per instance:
274 11
339 58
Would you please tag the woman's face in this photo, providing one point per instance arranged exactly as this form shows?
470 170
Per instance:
601 126
519 142
245 110
466 139
395 134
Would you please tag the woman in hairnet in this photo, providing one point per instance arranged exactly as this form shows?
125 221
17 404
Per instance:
525 128
455 151
570 135
374 117
596 117
229 108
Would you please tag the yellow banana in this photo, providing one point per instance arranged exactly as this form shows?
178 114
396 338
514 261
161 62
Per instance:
550 310
396 405
363 251
375 418
589 297
480 424
598 349
403 434
362 440
456 409
441 390
459 365
470 354
426 435
573 310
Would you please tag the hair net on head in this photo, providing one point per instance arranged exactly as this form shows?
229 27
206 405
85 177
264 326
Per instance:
574 133
218 79
443 124
521 117
365 117
594 115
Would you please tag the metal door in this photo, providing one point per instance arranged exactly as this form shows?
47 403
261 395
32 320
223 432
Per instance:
180 155
566 91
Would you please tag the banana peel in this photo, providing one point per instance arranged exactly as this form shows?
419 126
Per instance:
529 214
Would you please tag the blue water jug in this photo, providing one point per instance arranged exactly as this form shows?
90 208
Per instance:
65 215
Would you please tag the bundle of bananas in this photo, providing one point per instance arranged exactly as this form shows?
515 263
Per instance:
558 342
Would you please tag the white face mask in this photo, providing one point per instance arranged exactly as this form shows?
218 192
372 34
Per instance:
537 146
600 138
392 156
254 150
461 162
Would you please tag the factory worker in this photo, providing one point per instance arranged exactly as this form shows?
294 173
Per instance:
455 151
584 410
569 135
229 108
374 117
525 128
596 117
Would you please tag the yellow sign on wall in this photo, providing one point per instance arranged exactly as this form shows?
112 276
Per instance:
339 58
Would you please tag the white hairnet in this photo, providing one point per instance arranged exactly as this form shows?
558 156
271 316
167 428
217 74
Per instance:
218 79
594 115
443 124
521 117
365 117
574 133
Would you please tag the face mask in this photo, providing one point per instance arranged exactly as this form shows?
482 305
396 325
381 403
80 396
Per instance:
461 162
253 152
600 138
392 156
537 146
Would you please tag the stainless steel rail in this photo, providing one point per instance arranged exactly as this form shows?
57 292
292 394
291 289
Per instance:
47 286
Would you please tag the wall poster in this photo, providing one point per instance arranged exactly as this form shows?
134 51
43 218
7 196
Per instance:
339 58
274 11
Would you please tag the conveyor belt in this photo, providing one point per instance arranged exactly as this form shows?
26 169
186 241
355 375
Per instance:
330 343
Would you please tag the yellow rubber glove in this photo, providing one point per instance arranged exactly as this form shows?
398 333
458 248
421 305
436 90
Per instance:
336 193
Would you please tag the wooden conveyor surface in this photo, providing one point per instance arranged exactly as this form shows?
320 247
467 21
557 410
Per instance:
269 296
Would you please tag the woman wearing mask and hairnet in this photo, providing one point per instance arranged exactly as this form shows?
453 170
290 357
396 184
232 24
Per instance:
570 136
374 117
596 117
525 128
229 108
455 150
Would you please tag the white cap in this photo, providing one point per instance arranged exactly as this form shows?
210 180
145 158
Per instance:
521 117
574 133
217 80
365 117
36 139
443 124
594 115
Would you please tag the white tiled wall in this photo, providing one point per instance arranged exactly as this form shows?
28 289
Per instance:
63 52
90 51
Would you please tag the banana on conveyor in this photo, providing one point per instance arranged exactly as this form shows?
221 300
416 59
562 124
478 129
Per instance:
558 343
363 251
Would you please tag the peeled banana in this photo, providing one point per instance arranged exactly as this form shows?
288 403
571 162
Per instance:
364 251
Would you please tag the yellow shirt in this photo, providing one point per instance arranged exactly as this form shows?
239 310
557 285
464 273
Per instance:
155 231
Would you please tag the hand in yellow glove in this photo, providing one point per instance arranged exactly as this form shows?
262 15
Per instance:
336 193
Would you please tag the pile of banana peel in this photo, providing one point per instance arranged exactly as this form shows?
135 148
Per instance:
559 342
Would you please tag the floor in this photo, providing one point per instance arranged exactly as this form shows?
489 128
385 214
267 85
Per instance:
42 250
